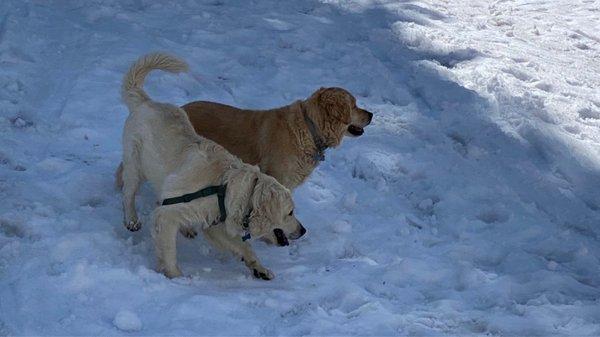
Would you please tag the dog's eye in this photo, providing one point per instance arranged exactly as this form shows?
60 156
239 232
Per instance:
291 213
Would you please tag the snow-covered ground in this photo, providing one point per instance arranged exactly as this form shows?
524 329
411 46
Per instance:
470 206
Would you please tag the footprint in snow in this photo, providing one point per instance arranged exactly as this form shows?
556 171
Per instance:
519 74
545 86
13 86
93 202
21 123
461 143
493 216
4 160
572 129
11 229
582 46
587 113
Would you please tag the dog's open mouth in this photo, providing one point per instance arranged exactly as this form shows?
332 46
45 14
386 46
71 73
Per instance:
281 239
355 130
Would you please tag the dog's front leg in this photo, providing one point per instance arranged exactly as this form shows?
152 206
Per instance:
218 237
164 233
251 261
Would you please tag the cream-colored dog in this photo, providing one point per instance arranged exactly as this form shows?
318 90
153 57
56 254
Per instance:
160 145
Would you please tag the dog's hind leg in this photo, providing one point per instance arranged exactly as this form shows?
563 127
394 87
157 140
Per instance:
218 237
164 233
119 177
132 179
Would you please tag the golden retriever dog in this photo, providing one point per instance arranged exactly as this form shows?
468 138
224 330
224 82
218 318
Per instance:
287 143
199 182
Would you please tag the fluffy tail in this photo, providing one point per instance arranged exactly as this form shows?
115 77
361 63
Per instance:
132 91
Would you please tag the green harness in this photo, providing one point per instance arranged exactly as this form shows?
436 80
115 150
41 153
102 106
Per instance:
219 190
205 192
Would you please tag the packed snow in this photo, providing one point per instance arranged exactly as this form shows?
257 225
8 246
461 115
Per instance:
470 206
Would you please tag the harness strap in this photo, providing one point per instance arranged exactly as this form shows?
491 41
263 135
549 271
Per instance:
317 139
205 192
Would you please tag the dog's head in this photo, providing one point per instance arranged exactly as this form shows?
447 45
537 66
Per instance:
335 112
271 208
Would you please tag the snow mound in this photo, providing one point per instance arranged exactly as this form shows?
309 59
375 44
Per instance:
128 321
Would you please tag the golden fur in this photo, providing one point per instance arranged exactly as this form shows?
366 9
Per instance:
278 140
160 145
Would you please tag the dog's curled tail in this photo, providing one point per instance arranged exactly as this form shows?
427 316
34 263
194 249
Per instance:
132 91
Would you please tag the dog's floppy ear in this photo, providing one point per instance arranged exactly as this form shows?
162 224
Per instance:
335 102
238 198
333 114
265 201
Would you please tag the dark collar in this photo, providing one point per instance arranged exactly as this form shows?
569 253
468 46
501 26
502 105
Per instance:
320 145
205 192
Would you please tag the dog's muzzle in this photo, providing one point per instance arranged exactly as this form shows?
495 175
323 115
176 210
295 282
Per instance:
299 233
356 130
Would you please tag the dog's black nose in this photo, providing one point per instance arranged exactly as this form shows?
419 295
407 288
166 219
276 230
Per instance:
370 116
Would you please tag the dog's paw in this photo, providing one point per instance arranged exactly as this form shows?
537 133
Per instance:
263 273
133 225
188 232
172 273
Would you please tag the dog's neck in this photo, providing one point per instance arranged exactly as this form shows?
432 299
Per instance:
318 140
